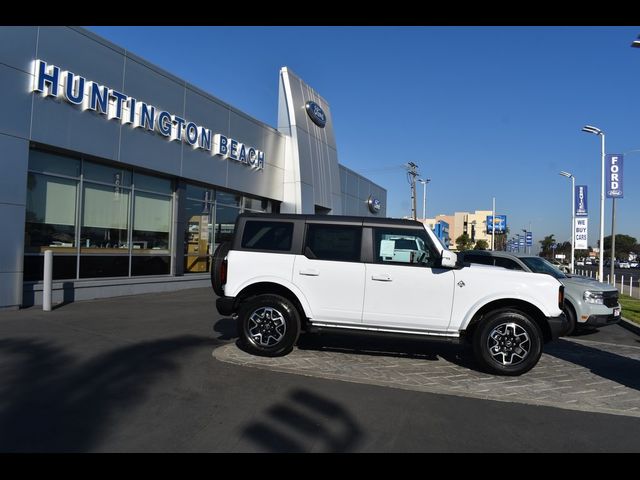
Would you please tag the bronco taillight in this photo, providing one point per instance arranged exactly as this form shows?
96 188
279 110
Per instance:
223 272
561 297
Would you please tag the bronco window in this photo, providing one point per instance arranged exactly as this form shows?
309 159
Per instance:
333 242
261 235
394 245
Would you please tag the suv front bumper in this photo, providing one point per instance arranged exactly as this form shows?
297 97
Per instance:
601 320
558 325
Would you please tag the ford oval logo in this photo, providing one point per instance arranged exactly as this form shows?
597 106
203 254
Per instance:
374 204
316 114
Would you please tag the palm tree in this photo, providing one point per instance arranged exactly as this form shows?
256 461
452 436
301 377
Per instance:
545 245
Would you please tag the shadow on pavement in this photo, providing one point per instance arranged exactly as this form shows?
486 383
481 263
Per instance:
305 422
227 329
459 354
49 402
622 370
584 332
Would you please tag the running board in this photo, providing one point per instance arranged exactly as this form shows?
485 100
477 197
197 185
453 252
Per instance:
382 332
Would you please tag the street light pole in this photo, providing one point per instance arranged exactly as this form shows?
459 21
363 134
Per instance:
424 196
597 131
613 240
573 216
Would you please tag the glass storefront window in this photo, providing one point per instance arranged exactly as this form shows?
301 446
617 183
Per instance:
64 267
152 184
94 266
226 198
256 205
150 265
45 162
195 192
105 219
119 222
151 223
50 213
198 236
225 223
105 174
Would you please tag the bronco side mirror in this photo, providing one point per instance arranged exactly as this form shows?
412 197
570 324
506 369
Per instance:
448 259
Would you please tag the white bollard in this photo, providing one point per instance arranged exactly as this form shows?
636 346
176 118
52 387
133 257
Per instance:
48 280
631 286
622 285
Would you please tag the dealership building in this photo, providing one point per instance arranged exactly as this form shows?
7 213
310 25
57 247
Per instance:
132 176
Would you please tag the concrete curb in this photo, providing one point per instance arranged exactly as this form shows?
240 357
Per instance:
629 325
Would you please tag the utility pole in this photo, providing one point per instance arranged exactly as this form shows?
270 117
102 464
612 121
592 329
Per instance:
493 229
412 173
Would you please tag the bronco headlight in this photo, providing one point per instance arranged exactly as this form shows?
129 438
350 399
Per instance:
593 297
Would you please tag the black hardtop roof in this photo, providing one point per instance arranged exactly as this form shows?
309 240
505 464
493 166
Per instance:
338 219
499 253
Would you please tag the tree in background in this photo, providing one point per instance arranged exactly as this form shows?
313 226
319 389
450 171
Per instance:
463 242
545 246
481 245
501 240
625 244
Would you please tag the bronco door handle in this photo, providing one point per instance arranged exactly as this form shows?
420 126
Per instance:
311 272
381 278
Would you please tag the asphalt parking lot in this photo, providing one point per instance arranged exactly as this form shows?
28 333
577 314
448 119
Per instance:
162 372
585 375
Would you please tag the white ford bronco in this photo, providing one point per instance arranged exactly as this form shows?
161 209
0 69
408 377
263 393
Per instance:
283 274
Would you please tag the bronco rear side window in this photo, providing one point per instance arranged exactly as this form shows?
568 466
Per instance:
264 235
333 242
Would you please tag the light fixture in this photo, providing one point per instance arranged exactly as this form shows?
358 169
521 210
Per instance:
591 129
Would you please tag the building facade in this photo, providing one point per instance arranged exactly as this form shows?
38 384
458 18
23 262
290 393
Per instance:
132 176
473 224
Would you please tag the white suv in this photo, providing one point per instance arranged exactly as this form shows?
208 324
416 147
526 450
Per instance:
285 273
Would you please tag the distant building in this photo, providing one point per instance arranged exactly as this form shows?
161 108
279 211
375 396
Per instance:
473 224
441 229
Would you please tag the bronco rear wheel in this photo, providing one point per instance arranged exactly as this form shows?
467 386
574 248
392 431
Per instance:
268 325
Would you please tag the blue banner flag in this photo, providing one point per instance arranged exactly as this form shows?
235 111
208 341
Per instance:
613 168
580 195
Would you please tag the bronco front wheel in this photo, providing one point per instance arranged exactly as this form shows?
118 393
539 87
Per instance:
508 342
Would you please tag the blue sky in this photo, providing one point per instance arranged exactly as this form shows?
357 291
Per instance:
483 111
